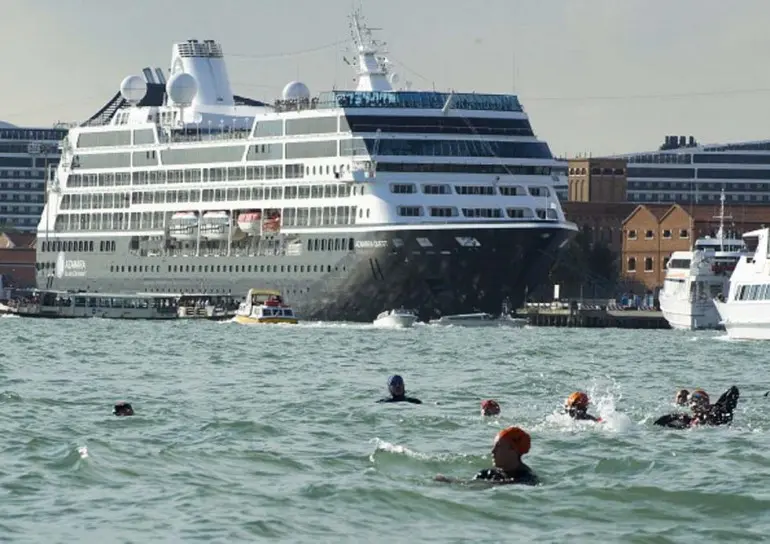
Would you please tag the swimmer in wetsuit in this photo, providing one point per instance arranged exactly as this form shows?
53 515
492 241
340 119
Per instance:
576 406
510 445
703 412
398 391
123 409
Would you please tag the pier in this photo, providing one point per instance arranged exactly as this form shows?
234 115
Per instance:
583 315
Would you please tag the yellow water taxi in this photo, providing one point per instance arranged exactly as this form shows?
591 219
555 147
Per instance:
264 306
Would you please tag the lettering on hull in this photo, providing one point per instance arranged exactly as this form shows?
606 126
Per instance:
371 244
70 268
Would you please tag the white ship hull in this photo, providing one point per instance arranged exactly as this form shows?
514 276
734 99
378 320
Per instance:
746 321
687 315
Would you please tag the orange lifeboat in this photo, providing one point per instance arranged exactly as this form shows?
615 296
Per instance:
250 222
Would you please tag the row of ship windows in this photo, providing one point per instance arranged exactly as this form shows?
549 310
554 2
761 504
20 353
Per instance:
753 292
22 209
327 125
82 246
97 201
16 197
24 186
140 269
700 173
293 171
308 150
78 222
485 213
34 173
684 234
691 197
693 186
445 189
597 171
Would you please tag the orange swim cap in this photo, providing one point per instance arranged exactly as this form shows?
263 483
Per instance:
518 438
578 399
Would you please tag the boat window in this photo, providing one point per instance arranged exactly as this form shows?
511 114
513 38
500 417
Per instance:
680 263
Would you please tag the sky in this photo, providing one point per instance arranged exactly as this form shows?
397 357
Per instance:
596 76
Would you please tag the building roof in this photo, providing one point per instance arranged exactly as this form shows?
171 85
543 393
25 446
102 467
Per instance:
658 210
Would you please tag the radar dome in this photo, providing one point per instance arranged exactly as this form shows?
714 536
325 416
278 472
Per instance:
182 88
133 89
296 90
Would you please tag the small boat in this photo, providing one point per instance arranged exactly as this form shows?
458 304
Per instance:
264 306
400 318
479 320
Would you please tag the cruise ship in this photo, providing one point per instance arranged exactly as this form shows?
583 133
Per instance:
687 172
348 202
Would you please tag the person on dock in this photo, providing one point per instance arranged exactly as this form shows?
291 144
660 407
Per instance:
576 406
703 412
509 447
398 391
490 407
123 408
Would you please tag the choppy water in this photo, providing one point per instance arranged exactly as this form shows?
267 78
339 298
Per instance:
255 433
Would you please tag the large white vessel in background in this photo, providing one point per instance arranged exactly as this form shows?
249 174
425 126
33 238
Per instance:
745 311
694 278
347 202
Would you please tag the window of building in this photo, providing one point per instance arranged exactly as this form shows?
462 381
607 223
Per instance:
667 235
684 233
648 264
649 235
632 235
632 264
665 263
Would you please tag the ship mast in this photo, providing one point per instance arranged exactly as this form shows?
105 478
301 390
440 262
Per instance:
722 217
372 67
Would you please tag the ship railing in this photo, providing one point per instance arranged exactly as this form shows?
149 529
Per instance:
204 135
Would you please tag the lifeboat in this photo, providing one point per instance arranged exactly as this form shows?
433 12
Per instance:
215 226
183 226
272 223
250 222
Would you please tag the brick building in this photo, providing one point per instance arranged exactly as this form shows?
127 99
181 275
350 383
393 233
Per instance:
652 232
602 222
597 180
17 259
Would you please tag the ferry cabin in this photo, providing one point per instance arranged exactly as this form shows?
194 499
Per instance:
66 304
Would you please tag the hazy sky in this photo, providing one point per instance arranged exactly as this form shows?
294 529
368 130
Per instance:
598 76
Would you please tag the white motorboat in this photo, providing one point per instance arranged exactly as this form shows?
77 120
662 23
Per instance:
397 319
479 320
694 278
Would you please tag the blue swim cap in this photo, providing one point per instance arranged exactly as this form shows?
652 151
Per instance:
395 380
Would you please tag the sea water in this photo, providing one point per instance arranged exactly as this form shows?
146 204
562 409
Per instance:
249 433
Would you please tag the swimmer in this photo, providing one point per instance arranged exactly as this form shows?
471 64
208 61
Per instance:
123 409
398 391
576 406
490 408
509 447
681 397
704 413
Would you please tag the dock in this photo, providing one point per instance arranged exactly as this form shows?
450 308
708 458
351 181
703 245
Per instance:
591 316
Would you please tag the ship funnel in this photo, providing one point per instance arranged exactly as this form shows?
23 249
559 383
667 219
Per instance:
204 61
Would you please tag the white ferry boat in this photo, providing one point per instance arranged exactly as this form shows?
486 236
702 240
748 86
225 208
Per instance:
67 304
348 202
694 278
745 311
